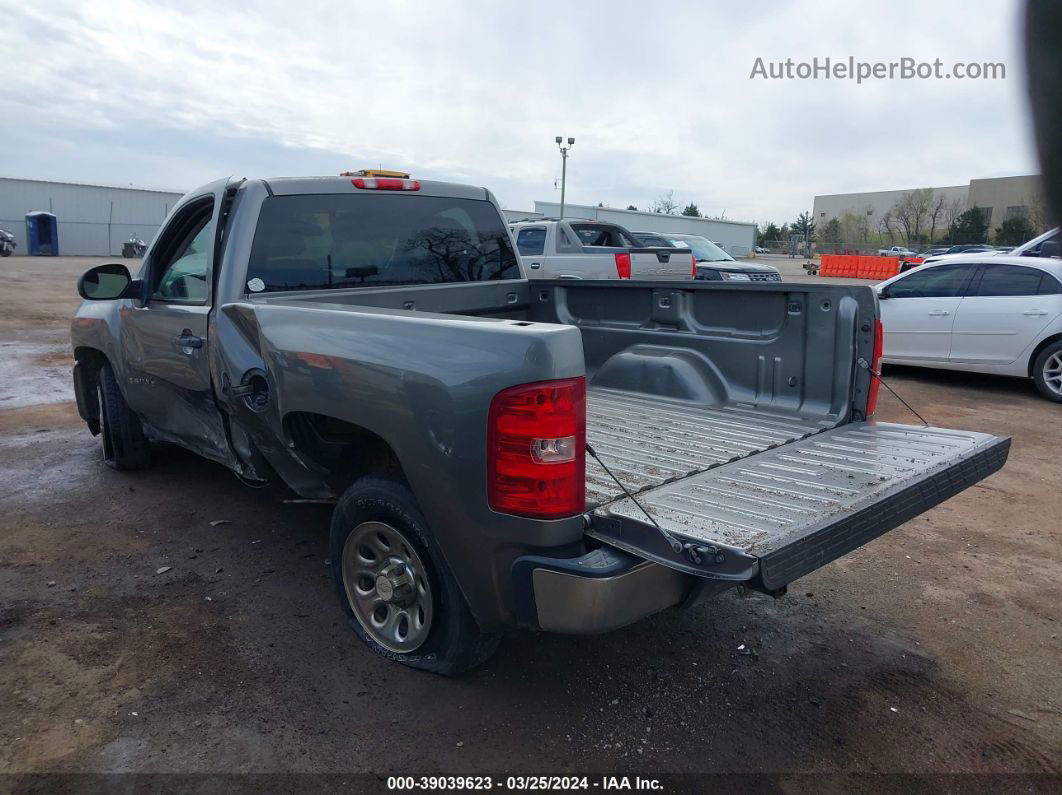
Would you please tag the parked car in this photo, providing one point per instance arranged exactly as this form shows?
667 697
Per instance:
762 250
714 264
1032 248
907 263
581 249
7 243
375 341
1000 315
895 251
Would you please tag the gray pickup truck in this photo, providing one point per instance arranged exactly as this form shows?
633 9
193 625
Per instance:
556 454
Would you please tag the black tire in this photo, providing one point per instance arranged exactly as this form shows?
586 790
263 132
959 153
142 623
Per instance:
453 643
1048 359
124 445
5 252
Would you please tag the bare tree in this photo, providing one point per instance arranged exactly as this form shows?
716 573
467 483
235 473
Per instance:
1037 213
665 204
910 211
936 213
886 226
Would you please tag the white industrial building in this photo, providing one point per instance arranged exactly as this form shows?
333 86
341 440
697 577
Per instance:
93 220
737 237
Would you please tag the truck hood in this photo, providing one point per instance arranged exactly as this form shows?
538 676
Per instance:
739 267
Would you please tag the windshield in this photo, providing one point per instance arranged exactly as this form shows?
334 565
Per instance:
652 240
321 241
703 248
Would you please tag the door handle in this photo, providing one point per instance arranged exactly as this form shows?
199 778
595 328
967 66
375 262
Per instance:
1034 312
187 341
536 265
939 313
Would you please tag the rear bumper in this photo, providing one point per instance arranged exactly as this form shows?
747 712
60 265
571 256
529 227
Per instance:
598 592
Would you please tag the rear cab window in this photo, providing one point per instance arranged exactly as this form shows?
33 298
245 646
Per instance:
323 241
594 234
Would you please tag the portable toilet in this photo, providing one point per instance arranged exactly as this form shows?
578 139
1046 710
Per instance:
42 234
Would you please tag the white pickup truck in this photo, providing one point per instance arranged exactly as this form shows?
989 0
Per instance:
895 251
578 249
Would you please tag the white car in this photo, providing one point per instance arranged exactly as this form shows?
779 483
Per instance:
999 315
1029 249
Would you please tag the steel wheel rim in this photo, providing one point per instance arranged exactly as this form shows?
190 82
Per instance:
387 587
1052 373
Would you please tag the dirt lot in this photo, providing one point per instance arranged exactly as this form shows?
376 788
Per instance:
935 649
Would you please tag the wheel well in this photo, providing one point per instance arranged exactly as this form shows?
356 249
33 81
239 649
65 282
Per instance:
344 450
92 358
1043 344
86 377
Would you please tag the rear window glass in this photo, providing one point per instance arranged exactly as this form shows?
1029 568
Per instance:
602 235
322 241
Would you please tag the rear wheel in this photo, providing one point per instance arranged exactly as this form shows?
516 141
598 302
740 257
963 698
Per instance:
124 445
395 587
1047 372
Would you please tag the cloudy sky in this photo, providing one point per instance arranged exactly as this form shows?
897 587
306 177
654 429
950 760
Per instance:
657 94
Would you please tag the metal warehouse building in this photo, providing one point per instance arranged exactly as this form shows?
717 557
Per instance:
93 220
737 237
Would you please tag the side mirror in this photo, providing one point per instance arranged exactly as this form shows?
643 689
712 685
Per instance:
105 283
883 293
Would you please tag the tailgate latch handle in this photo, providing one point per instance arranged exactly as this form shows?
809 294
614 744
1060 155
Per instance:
701 554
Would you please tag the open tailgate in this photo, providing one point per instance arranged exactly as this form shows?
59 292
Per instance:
782 513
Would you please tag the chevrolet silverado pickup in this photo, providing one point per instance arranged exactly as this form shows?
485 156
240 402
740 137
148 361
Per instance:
578 249
563 455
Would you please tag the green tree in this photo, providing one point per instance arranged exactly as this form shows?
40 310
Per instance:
632 207
804 226
691 210
771 233
832 235
970 227
1014 231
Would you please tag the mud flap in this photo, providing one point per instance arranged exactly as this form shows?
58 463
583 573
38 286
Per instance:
775 516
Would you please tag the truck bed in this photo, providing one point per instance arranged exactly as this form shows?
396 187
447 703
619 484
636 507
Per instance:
647 441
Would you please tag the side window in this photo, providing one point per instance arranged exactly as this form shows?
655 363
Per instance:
944 281
1049 285
182 257
999 280
531 240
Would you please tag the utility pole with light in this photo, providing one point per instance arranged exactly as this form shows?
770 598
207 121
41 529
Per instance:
564 165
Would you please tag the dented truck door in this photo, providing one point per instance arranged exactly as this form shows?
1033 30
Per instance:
164 334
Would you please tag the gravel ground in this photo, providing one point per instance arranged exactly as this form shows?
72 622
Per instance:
137 636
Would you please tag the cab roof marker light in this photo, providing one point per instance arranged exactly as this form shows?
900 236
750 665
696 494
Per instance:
385 183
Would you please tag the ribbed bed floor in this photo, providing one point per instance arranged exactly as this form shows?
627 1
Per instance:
647 441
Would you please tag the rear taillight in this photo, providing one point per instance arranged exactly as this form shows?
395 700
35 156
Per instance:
385 183
536 449
693 266
875 367
623 265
